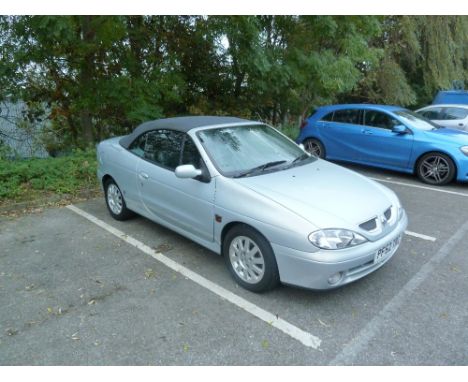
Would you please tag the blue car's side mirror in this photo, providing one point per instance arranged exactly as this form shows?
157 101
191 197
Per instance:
399 129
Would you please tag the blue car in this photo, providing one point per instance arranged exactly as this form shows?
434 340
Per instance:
389 137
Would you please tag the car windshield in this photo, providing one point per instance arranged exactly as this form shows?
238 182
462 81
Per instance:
417 121
250 150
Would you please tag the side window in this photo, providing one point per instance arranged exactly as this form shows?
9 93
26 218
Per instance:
453 113
378 119
434 113
327 117
347 116
162 147
191 155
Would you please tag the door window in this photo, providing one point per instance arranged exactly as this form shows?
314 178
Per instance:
434 113
162 147
378 119
191 155
453 113
351 116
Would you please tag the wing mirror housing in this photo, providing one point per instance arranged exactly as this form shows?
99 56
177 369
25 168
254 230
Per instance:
400 129
187 171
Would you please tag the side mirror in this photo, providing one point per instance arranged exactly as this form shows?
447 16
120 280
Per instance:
187 171
399 129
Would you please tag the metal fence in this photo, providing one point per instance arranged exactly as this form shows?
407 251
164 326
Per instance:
21 138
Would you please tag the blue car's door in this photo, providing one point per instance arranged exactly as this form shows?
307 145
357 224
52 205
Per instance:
187 204
379 145
340 133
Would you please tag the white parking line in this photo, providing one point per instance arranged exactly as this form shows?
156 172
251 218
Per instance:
348 354
418 186
300 335
420 236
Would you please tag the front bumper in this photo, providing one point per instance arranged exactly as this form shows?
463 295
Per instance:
312 271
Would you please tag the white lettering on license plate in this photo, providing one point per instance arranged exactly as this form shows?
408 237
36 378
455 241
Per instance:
384 251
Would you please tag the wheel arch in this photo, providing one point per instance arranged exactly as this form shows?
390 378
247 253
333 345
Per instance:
233 224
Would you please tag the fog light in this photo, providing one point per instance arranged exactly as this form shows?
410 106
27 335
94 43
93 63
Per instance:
335 279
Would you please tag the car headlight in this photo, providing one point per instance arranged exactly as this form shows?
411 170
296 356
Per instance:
335 238
464 150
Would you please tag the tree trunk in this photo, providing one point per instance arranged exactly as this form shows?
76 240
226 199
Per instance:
86 76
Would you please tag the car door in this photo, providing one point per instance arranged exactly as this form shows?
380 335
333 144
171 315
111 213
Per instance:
340 133
187 204
380 145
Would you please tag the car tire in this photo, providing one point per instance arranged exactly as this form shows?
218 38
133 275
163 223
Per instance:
250 259
315 147
115 201
436 169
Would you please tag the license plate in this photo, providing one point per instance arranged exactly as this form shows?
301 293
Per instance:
383 252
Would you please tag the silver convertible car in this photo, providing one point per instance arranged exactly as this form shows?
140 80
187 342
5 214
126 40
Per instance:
245 191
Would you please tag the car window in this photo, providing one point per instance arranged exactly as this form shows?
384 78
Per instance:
434 113
347 116
327 117
378 119
191 155
162 147
453 113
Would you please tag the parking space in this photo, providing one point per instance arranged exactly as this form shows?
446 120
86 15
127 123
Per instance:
72 292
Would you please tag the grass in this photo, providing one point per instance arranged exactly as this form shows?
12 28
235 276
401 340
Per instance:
30 179
290 130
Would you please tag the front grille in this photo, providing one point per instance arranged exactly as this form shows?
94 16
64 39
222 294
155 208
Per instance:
388 213
369 225
372 224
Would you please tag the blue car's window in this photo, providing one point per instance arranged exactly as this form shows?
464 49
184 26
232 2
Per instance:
237 149
327 117
351 116
378 119
415 120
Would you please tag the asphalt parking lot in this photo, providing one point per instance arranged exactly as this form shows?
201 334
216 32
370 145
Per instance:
75 291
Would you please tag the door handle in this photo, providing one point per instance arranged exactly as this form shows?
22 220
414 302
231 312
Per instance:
460 124
366 131
143 175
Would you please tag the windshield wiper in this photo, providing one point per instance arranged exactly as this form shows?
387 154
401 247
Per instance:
259 168
300 158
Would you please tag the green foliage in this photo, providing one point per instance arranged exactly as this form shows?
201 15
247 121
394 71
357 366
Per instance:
26 179
99 76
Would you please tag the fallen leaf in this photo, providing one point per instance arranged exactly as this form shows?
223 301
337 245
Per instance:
265 344
323 323
186 348
91 302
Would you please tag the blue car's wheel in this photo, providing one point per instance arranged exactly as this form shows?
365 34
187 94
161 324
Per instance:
436 168
315 147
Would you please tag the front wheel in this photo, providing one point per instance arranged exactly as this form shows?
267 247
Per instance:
436 168
315 147
250 259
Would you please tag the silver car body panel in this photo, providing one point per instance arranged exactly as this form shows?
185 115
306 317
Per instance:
284 206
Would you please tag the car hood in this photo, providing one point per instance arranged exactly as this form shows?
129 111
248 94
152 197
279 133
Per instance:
325 194
459 137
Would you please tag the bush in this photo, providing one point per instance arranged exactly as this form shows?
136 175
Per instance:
31 178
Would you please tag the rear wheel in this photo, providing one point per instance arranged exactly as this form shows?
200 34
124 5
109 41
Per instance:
315 147
115 201
250 259
436 168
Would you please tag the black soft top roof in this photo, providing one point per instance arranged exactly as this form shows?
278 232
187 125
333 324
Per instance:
183 124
